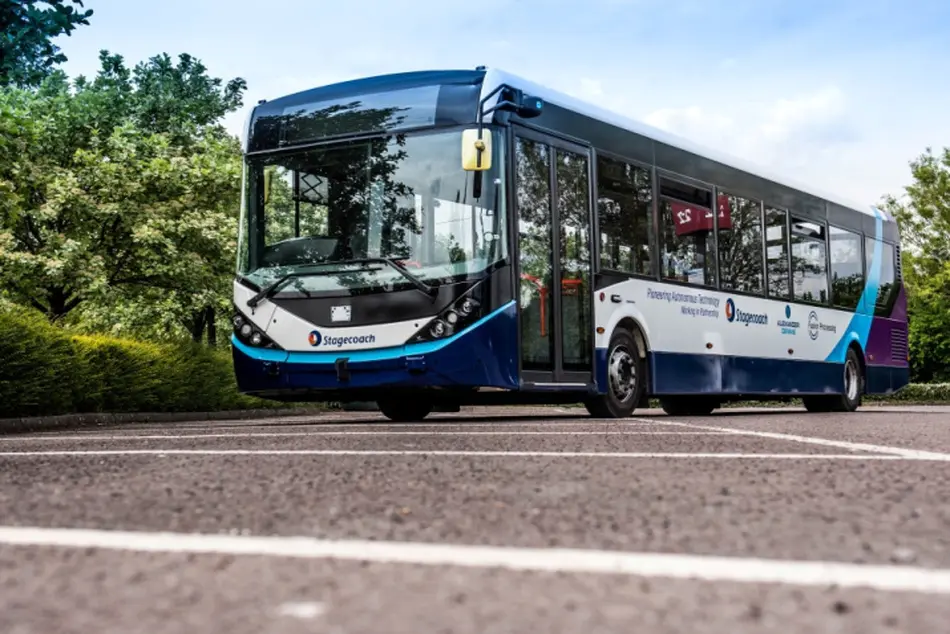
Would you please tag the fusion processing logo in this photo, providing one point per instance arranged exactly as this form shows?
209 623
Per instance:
813 324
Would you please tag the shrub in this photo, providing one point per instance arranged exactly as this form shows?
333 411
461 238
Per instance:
929 393
44 370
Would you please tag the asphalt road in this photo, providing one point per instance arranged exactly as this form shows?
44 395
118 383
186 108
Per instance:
486 521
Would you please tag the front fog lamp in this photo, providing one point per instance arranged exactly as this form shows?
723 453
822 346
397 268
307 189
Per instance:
438 328
461 314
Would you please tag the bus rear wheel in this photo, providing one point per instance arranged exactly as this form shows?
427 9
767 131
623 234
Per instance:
404 410
852 388
626 370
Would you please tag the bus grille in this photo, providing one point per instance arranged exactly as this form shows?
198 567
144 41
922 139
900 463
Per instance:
898 344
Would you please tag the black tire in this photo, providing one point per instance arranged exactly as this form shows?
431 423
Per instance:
405 411
852 389
626 379
688 405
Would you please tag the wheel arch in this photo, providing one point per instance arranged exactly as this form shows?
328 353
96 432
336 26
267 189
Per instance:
862 364
631 325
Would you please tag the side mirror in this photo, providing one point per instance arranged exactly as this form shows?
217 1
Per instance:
476 153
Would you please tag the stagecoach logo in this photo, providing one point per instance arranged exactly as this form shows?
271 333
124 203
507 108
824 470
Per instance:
316 339
733 314
788 326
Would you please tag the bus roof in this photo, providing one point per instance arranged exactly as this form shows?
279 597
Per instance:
495 77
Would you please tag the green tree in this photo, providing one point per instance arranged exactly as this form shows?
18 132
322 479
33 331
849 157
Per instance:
27 28
924 217
119 188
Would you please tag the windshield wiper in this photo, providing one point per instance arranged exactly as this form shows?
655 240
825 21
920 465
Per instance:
431 291
272 288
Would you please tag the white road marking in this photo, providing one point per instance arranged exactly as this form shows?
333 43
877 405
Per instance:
317 434
446 426
696 567
302 610
386 452
458 423
910 454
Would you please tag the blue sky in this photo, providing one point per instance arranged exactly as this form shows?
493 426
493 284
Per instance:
841 94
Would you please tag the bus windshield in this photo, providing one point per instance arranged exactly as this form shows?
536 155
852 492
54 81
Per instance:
402 197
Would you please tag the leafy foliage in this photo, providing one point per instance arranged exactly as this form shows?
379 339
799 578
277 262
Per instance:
27 28
119 189
924 217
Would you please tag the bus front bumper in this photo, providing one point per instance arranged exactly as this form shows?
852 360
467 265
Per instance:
483 355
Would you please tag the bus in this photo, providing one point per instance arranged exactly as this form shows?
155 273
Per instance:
435 239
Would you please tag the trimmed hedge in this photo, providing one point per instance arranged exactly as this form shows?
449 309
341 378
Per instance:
47 371
923 393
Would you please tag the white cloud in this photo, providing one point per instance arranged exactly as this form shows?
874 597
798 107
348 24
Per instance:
808 137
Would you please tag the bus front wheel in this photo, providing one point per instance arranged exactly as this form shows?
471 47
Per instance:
626 371
404 411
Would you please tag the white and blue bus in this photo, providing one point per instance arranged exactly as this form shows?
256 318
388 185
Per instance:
434 239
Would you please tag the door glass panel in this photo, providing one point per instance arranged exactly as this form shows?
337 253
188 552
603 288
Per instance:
533 184
573 206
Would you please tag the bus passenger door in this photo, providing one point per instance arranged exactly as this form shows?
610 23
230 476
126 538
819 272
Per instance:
553 207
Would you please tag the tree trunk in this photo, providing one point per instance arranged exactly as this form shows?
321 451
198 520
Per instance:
212 327
58 302
196 325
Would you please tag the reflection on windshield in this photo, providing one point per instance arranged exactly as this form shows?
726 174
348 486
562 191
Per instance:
400 197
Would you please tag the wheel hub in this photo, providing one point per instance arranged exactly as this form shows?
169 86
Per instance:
622 373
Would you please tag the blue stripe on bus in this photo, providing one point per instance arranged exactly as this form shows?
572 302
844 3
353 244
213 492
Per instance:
379 354
859 328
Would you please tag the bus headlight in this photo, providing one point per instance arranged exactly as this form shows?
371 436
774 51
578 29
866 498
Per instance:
438 329
249 334
456 317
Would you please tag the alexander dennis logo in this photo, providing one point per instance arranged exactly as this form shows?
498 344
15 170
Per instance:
316 339
788 326
734 314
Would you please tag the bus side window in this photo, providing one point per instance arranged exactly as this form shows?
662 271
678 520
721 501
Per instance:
776 252
809 264
887 288
686 235
625 216
847 268
740 244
